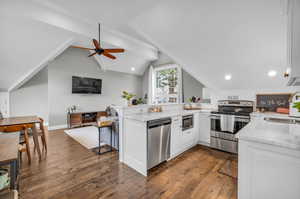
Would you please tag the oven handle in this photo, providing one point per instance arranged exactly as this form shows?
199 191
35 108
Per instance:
236 117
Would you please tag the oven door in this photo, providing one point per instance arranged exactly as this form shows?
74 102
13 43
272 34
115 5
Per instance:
187 122
239 123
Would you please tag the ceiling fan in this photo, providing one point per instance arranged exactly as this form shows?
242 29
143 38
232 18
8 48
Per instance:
101 51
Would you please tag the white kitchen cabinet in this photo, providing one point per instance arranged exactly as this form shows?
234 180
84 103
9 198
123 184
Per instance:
183 140
267 171
176 136
294 42
204 129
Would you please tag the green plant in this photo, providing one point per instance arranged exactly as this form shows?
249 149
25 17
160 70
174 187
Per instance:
127 96
297 106
140 101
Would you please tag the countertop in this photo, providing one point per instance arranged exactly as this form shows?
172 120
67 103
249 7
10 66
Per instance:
277 134
144 117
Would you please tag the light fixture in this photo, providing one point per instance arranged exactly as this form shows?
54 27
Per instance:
132 69
227 77
272 73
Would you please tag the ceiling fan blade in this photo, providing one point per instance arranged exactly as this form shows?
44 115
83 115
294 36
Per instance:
108 55
82 48
93 54
115 50
96 44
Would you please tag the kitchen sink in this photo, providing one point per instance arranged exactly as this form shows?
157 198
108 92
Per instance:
283 120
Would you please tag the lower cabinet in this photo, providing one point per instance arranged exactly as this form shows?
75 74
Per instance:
176 136
183 140
204 129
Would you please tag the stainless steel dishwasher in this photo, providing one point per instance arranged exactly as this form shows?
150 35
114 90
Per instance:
159 133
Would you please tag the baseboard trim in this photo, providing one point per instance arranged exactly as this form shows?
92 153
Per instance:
63 126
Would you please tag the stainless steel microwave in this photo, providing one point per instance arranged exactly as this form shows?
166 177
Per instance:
187 122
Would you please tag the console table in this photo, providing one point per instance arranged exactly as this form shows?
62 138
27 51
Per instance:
79 119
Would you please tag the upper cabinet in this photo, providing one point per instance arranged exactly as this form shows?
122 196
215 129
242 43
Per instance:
294 42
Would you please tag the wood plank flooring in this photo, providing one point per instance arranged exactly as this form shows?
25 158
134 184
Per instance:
71 171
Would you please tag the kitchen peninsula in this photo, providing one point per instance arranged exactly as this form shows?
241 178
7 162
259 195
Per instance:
269 157
134 139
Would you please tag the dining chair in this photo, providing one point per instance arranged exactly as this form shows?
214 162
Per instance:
24 129
42 133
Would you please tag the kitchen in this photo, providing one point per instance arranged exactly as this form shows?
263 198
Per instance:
198 99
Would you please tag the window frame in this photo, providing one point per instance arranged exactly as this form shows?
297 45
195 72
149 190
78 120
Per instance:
179 82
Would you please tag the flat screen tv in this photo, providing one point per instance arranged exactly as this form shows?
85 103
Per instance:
84 85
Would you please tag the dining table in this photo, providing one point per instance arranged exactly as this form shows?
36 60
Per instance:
25 120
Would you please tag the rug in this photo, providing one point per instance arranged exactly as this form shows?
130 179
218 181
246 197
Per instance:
86 136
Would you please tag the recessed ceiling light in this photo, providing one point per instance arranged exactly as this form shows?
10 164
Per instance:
228 77
132 69
272 73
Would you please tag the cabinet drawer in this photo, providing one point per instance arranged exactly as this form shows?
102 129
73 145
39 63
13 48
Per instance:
75 119
188 135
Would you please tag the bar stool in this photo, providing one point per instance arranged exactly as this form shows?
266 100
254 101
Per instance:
100 127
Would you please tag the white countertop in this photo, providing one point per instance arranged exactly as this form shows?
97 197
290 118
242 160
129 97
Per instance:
144 117
277 134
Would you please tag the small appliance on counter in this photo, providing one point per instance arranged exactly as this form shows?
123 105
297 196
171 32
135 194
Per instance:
295 105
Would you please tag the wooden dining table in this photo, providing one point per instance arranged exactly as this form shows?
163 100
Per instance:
26 120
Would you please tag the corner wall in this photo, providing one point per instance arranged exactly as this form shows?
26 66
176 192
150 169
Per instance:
32 97
74 62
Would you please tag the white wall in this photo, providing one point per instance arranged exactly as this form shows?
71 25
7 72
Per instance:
32 97
246 94
191 87
74 62
4 103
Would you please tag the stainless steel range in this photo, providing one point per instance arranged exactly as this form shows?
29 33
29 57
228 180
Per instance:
232 116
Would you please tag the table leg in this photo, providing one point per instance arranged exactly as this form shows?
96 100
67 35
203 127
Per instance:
36 141
13 174
99 139
111 144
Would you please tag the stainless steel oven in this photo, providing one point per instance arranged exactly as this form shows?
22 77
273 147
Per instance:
187 122
231 117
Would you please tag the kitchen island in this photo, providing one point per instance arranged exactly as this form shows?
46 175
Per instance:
135 128
269 158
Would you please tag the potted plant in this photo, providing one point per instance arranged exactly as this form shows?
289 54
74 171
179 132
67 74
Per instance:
127 96
297 106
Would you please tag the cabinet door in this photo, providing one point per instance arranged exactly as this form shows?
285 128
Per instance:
295 37
176 136
204 126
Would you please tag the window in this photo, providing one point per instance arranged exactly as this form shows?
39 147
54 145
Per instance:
166 84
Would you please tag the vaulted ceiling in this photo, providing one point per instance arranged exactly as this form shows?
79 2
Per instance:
208 38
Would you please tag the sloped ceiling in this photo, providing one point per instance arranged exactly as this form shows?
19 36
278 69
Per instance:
34 32
244 38
23 49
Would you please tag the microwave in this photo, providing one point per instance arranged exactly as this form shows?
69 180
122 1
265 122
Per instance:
187 122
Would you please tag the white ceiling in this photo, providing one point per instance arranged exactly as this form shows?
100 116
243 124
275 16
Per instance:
245 38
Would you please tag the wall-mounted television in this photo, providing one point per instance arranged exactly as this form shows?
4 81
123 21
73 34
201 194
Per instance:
84 85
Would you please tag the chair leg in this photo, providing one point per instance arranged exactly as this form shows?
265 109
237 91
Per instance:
44 141
27 145
43 136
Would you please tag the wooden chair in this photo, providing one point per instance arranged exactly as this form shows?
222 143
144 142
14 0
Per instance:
42 133
19 128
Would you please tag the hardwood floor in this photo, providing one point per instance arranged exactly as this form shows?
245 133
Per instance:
71 171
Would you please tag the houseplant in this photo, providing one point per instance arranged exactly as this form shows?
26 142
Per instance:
297 106
127 96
